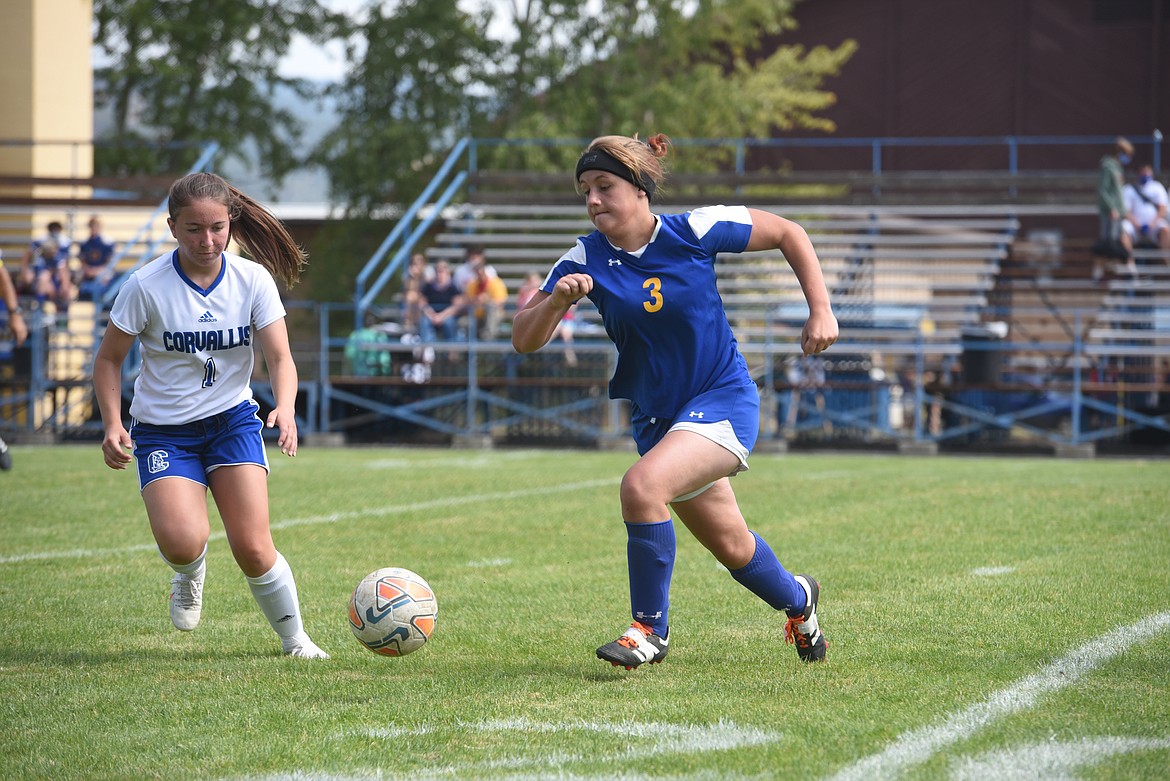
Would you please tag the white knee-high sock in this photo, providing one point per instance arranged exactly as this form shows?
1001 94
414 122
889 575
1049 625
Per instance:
186 569
276 593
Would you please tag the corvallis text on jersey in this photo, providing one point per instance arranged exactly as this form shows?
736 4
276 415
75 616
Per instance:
196 341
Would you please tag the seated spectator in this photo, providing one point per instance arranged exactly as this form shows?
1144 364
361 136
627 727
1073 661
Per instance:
26 281
1145 223
52 278
96 269
367 350
473 260
486 296
442 304
418 273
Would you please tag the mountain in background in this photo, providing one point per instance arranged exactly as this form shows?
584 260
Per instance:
309 185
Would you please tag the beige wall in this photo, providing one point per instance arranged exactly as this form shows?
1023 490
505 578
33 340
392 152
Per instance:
46 84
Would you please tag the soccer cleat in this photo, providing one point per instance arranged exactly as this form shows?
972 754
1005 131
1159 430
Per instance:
187 599
803 630
638 645
5 456
301 646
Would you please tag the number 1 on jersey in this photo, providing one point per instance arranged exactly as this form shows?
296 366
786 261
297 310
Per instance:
209 373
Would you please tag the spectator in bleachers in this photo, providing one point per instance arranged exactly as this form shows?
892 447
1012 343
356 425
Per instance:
473 260
96 270
486 296
805 375
53 280
418 273
442 304
26 281
693 404
1146 202
564 329
1111 206
367 350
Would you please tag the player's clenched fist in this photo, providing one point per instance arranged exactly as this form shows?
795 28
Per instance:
571 288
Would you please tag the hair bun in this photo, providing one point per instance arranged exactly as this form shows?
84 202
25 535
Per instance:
659 144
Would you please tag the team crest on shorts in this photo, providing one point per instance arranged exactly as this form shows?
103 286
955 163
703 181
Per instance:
157 462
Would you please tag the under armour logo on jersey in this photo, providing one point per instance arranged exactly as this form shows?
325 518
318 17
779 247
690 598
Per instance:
157 462
207 317
614 262
695 414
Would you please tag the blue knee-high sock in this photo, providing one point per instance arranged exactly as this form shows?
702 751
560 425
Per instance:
650 553
767 579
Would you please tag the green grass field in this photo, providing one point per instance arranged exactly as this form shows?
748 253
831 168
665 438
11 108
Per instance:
988 618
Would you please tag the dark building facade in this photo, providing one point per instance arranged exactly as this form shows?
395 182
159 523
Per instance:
995 68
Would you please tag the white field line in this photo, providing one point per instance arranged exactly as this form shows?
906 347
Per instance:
919 745
1050 761
639 741
642 740
369 512
990 572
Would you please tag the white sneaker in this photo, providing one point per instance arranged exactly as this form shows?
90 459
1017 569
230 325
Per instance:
301 646
187 599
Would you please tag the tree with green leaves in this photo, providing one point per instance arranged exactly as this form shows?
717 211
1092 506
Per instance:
696 69
410 93
181 74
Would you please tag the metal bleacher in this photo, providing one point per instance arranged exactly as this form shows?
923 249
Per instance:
888 268
919 290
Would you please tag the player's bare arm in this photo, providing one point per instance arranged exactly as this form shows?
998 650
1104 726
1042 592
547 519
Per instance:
107 384
282 372
770 231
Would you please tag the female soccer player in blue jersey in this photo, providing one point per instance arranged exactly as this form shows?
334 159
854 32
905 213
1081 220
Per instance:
694 409
197 312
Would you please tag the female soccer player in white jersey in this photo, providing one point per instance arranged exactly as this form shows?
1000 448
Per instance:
197 312
694 408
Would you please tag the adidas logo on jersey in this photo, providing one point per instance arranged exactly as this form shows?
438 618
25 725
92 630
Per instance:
207 317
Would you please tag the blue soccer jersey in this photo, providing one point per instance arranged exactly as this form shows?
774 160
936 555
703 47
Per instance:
661 307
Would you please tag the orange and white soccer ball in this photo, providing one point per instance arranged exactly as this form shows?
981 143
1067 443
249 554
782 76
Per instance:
392 611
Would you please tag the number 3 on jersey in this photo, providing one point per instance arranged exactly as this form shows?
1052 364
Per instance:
654 285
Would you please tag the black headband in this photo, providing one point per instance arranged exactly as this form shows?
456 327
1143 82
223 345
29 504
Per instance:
600 160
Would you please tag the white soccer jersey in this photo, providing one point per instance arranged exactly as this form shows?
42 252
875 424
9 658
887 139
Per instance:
196 344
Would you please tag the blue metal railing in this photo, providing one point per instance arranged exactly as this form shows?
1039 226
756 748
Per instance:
876 145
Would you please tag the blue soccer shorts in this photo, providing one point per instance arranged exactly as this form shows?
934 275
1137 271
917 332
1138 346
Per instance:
193 450
728 416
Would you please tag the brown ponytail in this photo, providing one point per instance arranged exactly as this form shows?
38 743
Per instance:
261 234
